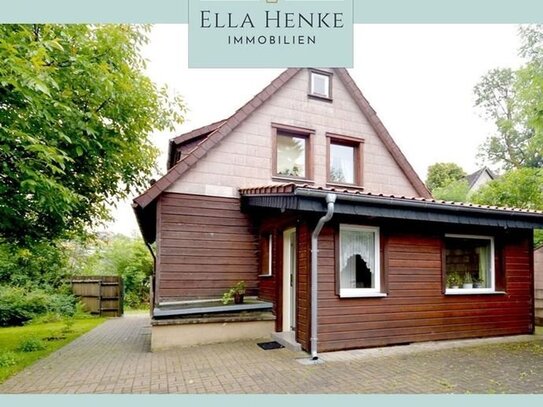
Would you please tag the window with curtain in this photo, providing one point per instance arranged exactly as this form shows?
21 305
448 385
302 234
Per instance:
469 264
359 270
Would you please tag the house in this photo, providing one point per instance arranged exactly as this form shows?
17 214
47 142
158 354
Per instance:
304 195
479 178
538 271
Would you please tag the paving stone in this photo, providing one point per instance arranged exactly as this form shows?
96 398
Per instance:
115 358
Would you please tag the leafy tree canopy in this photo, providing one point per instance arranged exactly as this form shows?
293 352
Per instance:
516 189
456 191
442 174
513 101
76 112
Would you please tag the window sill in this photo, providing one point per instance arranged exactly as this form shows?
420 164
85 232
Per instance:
319 97
292 179
265 275
363 295
472 291
347 186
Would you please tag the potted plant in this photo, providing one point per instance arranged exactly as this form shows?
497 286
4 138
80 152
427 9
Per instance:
468 281
453 280
235 293
477 283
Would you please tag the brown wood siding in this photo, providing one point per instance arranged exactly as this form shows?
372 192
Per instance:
415 308
205 246
303 286
538 277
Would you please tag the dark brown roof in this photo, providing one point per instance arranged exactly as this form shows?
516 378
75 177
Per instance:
290 188
191 136
241 114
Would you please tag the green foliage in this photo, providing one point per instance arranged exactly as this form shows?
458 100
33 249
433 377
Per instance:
7 359
441 175
126 257
456 191
77 112
37 264
31 345
513 101
19 305
517 189
238 289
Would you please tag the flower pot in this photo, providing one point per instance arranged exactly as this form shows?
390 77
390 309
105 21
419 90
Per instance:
454 287
238 298
467 285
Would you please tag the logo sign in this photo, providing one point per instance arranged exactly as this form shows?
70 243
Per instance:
270 33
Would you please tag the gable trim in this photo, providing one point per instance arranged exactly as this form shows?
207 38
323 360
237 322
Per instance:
227 126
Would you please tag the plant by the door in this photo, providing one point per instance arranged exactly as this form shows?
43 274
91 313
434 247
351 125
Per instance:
235 293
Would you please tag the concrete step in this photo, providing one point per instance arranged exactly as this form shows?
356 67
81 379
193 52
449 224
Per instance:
288 340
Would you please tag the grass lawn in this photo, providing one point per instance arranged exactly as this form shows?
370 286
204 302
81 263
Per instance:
45 338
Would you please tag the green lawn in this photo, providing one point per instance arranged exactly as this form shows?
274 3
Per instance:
50 336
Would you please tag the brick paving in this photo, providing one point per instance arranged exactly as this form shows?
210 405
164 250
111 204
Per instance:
115 358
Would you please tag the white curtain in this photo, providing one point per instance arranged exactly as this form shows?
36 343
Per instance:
484 265
353 243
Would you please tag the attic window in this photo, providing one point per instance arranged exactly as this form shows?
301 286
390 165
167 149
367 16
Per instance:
320 84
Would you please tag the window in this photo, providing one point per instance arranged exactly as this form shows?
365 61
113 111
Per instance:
469 264
344 159
266 252
359 265
292 152
320 84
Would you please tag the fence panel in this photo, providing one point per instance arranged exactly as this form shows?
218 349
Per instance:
101 295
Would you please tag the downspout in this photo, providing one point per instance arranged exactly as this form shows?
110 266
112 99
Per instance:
330 199
153 276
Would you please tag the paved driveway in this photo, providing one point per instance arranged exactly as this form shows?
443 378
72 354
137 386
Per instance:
115 358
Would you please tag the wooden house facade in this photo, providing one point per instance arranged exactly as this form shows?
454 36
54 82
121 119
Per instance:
304 196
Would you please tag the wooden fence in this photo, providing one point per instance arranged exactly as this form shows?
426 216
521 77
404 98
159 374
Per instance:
101 295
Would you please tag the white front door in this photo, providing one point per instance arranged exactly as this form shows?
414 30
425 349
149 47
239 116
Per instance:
289 280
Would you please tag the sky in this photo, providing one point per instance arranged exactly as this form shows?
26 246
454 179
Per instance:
418 78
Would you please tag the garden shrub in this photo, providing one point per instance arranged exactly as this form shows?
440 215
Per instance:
19 305
7 359
31 345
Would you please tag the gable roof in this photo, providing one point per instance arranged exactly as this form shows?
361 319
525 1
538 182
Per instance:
472 178
227 126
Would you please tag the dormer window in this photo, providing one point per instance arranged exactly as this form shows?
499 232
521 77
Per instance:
320 84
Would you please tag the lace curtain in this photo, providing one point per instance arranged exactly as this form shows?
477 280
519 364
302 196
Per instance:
357 259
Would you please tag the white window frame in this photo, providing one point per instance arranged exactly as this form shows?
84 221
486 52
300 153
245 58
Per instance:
362 292
270 247
467 291
327 85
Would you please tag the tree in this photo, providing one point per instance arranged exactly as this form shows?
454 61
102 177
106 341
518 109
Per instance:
515 189
442 174
121 256
76 112
520 188
512 100
456 191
